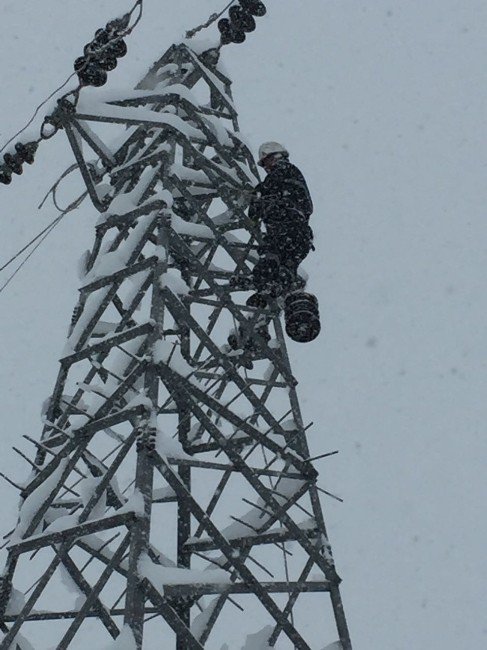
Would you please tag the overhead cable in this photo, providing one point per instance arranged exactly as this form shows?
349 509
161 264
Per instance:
41 237
13 161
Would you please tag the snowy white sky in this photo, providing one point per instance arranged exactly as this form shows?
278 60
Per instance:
383 105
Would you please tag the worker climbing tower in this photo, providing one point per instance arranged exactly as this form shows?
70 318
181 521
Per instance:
171 502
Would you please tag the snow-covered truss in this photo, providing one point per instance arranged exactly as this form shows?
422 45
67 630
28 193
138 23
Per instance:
171 499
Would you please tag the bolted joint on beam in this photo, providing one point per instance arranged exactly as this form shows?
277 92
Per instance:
146 440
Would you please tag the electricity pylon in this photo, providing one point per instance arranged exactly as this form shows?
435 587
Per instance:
171 494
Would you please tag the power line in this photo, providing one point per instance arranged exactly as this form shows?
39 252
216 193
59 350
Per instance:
49 229
19 253
210 21
138 4
41 237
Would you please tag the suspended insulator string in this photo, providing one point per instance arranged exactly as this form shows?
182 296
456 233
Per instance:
34 115
139 4
213 18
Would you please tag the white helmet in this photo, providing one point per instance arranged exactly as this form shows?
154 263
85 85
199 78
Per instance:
269 148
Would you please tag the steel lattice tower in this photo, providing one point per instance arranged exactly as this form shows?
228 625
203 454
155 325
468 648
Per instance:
173 472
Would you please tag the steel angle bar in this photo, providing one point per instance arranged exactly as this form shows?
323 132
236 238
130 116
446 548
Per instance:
125 415
98 608
180 311
234 253
161 99
318 514
213 501
93 595
137 372
97 553
26 609
192 394
100 556
46 616
95 250
78 446
128 271
6 582
154 158
39 588
110 342
224 152
69 535
203 464
250 381
208 75
293 596
86 333
246 541
125 231
57 392
39 479
234 310
238 256
247 576
265 396
171 617
56 616
268 498
105 482
199 590
126 219
132 121
94 142
101 357
85 172
216 304
217 174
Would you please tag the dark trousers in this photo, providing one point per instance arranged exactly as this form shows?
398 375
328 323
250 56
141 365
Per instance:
286 243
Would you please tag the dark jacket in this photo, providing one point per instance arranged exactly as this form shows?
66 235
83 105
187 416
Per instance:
282 196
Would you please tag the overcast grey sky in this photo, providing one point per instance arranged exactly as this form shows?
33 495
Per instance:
382 104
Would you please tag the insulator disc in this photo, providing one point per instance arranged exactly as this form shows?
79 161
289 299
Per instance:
299 296
265 273
91 49
117 48
254 7
5 176
256 300
26 153
241 20
302 317
92 75
303 331
233 341
118 24
238 36
13 162
79 63
102 36
111 27
107 63
228 32
225 30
